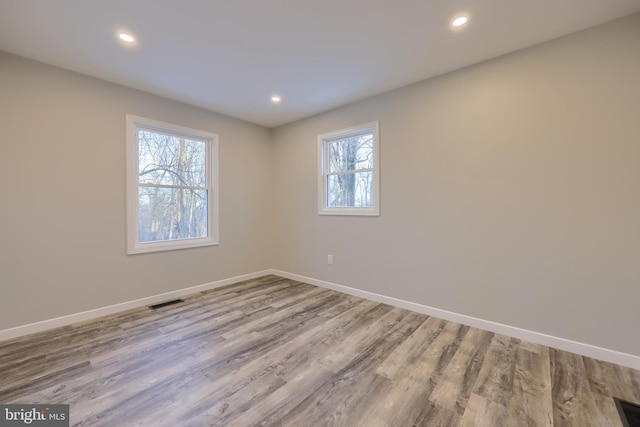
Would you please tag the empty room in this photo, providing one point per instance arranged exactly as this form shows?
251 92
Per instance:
320 213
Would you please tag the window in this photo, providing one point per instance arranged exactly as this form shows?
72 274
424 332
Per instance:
172 195
349 171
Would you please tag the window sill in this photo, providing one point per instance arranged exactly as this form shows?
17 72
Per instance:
349 212
141 248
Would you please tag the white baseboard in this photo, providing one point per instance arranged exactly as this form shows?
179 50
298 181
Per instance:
111 309
588 350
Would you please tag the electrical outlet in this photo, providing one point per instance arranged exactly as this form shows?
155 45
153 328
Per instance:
329 259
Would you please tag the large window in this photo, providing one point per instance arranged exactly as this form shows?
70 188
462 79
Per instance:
348 171
172 197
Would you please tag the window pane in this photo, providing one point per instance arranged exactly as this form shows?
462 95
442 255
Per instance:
349 190
170 160
171 214
351 153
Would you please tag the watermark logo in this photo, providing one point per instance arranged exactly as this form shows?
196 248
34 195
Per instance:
34 415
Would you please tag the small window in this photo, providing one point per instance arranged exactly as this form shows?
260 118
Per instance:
349 171
172 197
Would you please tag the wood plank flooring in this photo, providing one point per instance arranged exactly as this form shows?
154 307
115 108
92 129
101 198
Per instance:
275 352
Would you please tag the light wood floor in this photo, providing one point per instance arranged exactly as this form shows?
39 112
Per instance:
276 352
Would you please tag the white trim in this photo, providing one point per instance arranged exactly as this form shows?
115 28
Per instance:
612 356
133 123
323 209
111 309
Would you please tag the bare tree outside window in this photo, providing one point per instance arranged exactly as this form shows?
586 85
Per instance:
172 191
172 186
350 172
349 168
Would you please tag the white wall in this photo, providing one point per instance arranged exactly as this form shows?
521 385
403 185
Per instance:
510 192
62 196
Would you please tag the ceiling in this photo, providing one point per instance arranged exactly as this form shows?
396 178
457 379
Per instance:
231 56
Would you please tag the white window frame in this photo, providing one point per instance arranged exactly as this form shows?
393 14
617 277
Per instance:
134 246
323 172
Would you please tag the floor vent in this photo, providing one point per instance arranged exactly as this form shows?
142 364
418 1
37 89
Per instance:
629 412
166 303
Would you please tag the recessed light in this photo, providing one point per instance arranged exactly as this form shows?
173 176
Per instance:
459 21
275 99
126 37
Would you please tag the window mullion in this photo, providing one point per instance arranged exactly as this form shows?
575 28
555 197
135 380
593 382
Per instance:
180 187
350 171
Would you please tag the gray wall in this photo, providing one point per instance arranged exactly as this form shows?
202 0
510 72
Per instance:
62 216
510 191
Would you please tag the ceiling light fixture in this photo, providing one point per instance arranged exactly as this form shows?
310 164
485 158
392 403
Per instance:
126 37
275 99
459 21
